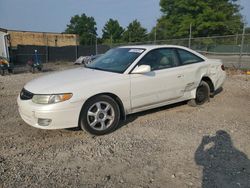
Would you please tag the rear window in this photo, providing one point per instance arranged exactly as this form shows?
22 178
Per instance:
188 57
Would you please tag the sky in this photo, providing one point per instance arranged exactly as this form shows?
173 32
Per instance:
54 15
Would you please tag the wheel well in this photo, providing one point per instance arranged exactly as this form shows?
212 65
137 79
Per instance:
209 82
117 100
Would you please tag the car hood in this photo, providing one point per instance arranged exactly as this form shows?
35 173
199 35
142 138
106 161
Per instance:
68 81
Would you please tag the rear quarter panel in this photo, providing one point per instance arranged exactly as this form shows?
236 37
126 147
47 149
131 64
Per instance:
215 72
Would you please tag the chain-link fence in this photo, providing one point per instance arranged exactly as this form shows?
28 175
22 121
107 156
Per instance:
23 53
234 50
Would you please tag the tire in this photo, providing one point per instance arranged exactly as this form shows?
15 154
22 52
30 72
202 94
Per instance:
202 95
11 71
2 72
100 115
31 69
40 69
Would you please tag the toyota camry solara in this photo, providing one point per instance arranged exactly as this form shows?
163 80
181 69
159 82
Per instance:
123 81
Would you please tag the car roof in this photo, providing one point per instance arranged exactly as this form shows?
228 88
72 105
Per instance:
150 47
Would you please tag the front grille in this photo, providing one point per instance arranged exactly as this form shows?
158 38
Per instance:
26 95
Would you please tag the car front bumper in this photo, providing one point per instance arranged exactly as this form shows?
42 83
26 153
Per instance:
61 115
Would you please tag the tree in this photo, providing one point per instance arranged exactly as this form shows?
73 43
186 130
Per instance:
135 32
210 17
84 26
112 30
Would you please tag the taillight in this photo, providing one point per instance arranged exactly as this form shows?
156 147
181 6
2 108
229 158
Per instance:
222 67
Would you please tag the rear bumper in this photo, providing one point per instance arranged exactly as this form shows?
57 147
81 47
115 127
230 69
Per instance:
62 115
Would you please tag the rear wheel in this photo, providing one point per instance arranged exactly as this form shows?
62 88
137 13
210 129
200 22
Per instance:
202 94
100 115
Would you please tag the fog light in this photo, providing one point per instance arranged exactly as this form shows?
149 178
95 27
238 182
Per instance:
44 122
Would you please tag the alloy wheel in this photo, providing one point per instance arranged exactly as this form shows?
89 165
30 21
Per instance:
100 115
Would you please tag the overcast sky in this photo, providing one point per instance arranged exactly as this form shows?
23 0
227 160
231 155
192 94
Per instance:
54 15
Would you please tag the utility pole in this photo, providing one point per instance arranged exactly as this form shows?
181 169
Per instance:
242 45
190 35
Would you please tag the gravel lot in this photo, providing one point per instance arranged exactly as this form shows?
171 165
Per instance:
232 61
165 147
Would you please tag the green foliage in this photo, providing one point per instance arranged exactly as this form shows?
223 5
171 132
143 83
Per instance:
208 18
112 30
135 32
84 26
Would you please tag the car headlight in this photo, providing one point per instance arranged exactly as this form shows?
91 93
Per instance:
51 99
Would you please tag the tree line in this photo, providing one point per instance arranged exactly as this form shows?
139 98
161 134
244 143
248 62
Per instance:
205 18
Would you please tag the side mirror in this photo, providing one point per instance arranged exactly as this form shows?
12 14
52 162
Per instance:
141 69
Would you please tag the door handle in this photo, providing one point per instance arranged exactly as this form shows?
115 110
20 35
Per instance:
180 76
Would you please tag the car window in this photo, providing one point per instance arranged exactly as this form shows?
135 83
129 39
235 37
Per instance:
188 57
160 59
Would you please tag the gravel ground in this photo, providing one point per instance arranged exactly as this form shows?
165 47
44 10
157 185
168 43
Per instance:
173 146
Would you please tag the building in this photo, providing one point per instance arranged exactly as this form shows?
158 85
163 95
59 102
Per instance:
41 38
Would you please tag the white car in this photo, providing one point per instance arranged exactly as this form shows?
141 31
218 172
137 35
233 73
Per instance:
123 81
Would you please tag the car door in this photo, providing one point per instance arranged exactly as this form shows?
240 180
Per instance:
163 83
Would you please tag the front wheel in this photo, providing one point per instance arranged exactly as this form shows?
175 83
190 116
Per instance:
100 115
202 95
11 71
32 69
2 72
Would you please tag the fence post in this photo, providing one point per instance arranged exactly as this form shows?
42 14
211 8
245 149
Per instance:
76 47
236 39
111 41
155 37
96 50
47 53
242 46
190 35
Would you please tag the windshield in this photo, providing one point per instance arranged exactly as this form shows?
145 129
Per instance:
116 60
